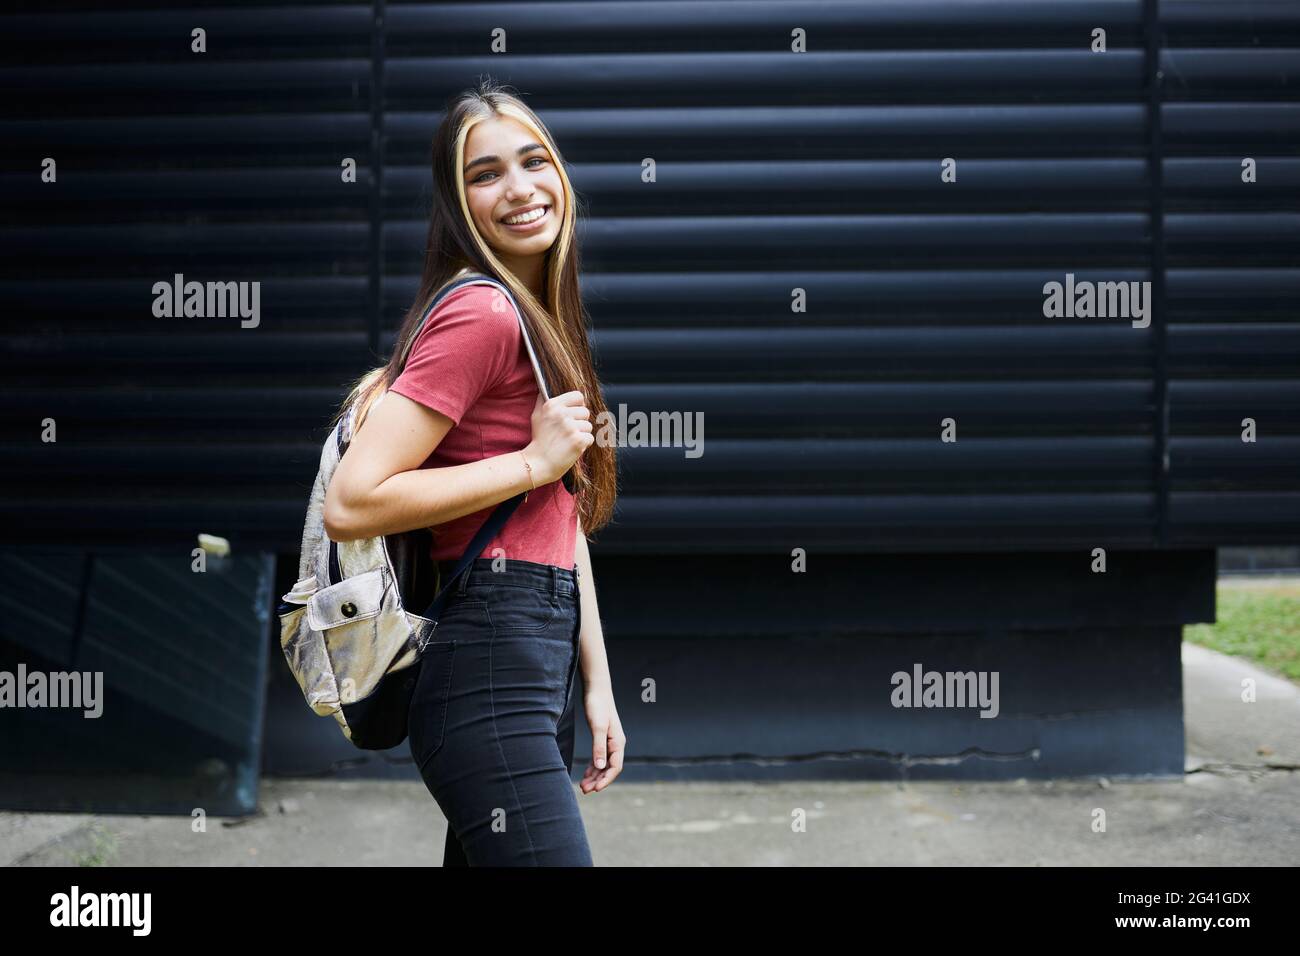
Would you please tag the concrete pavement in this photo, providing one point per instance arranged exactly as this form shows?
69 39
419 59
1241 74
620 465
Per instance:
1237 805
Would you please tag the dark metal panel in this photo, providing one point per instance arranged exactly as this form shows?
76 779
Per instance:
746 78
1072 703
1230 73
1256 72
762 132
175 668
776 172
719 24
1218 463
1219 519
1248 126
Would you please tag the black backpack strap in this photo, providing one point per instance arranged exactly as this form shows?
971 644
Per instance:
495 522
497 519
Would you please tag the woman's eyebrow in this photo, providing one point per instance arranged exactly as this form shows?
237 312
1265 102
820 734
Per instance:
496 159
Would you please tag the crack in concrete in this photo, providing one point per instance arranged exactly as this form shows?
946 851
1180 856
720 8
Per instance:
902 760
1223 767
68 836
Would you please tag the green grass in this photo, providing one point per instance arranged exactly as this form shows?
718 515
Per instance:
1257 620
103 846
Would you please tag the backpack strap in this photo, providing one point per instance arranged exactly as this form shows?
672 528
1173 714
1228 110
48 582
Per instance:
496 520
346 428
478 278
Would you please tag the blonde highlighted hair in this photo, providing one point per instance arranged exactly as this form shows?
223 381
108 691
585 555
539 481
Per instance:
558 326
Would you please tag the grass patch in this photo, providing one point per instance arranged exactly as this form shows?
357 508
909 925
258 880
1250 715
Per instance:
1258 619
103 844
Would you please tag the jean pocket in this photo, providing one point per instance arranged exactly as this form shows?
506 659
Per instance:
427 721
521 610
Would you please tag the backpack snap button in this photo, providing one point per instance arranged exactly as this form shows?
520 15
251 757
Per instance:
349 609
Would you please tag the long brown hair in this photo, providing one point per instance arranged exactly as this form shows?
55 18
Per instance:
559 327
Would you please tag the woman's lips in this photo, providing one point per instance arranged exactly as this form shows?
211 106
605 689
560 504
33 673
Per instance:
530 226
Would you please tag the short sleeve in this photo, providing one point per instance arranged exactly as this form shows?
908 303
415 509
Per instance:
465 348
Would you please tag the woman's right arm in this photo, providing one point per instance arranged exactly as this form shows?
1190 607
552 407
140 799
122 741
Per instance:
380 488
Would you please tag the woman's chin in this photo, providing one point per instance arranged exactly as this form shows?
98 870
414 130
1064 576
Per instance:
528 246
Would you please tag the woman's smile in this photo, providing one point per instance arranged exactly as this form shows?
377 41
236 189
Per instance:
534 215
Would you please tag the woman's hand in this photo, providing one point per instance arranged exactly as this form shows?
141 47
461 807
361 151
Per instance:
561 433
607 740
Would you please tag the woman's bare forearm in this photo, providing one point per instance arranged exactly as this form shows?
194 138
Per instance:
591 639
426 497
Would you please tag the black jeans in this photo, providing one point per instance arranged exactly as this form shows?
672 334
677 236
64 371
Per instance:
491 720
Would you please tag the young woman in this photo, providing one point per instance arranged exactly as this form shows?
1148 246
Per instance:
462 428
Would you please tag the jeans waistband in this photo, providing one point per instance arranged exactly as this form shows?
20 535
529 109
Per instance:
530 574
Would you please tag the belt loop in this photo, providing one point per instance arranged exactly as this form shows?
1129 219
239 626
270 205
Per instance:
555 582
463 583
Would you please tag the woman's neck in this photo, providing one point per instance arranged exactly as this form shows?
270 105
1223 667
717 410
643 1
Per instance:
531 272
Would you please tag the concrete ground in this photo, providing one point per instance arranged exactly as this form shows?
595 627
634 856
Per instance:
1238 804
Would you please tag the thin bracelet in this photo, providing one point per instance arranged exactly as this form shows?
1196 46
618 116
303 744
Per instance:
532 485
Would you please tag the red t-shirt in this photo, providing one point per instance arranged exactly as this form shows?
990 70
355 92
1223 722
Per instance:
469 362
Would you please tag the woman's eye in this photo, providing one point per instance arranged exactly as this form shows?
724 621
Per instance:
534 159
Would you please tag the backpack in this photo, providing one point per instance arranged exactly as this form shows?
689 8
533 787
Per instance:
349 628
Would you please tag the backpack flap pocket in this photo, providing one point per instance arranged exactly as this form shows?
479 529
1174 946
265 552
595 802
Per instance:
296 599
302 591
361 630
357 598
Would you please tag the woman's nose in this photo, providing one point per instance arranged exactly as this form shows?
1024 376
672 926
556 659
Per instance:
518 184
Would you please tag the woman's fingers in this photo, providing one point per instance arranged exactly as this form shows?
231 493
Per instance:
608 746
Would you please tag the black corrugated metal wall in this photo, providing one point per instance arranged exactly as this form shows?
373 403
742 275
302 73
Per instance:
776 170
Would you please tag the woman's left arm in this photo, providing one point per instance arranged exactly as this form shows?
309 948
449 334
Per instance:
607 738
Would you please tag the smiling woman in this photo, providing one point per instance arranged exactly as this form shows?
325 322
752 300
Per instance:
466 427
515 195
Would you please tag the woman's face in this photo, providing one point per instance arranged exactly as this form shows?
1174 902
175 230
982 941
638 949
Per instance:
507 172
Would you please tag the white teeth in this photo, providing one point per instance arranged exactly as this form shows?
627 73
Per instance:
526 217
